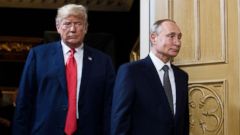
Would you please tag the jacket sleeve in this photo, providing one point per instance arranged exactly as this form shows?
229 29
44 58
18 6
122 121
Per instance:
110 78
123 95
25 99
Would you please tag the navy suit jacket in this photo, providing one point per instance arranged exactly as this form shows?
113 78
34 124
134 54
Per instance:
42 97
140 106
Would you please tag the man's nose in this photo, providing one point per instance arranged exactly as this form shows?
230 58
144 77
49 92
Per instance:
177 41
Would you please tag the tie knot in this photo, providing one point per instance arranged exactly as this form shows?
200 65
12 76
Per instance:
72 51
165 68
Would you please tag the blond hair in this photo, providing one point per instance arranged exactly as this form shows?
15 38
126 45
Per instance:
71 9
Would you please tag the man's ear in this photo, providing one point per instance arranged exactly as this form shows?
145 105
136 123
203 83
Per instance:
86 29
153 37
58 28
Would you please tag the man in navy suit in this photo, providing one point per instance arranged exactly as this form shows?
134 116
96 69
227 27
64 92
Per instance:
42 101
140 104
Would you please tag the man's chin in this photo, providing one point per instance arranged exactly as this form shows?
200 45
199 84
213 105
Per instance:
174 54
74 43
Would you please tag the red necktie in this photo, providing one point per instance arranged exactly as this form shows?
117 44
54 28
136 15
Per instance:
71 74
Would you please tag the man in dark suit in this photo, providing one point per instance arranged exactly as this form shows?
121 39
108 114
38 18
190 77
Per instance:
140 103
44 103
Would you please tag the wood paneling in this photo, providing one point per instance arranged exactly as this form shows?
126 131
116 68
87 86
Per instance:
207 106
204 29
210 54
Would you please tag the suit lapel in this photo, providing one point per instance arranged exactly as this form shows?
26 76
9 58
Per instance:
153 80
59 65
178 89
87 67
151 74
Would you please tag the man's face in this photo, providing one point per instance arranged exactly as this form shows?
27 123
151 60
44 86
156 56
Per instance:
72 30
167 42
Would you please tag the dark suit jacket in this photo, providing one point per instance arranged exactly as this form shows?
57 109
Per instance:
140 106
42 97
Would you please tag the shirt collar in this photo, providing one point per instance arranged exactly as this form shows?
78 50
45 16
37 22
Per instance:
157 62
66 48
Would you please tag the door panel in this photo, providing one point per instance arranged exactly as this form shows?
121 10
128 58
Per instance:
210 54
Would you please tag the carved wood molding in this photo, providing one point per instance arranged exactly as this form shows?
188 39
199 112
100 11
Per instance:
135 52
93 5
206 104
7 95
16 48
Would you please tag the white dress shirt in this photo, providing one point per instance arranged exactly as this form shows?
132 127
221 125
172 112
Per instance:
78 55
158 65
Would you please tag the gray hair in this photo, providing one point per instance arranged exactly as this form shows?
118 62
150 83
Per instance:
154 28
71 9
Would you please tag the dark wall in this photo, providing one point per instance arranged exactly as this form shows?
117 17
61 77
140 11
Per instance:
122 27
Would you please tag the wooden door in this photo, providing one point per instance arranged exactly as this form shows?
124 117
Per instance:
210 54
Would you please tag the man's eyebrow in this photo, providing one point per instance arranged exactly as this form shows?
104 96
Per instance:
174 33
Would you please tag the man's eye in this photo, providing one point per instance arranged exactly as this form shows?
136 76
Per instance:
66 24
78 24
180 37
171 35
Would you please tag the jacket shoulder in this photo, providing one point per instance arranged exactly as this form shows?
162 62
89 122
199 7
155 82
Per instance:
179 70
